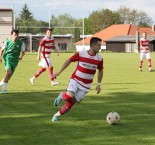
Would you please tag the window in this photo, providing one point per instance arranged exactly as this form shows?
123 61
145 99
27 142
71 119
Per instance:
62 46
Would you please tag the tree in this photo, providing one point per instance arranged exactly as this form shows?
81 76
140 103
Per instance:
100 19
87 26
63 24
135 17
25 14
76 34
25 19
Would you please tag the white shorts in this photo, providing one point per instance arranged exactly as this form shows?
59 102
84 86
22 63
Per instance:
80 93
145 55
45 62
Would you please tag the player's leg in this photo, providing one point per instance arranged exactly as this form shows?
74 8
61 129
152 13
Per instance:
10 68
142 57
50 68
43 65
70 93
148 56
66 96
53 80
79 95
6 80
69 97
37 74
64 109
1 82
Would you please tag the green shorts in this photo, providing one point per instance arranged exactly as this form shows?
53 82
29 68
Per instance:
10 65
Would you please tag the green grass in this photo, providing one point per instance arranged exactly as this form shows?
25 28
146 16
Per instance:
26 112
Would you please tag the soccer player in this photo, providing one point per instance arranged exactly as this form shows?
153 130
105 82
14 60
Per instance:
145 52
12 51
81 80
46 46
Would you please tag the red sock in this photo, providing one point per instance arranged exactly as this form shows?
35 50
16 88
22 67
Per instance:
39 72
64 109
66 97
51 73
140 63
149 63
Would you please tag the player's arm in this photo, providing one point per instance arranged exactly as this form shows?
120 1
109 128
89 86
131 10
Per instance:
1 54
99 80
39 52
74 58
150 49
57 50
2 50
64 66
22 51
99 76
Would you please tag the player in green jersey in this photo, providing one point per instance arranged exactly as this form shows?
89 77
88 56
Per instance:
12 51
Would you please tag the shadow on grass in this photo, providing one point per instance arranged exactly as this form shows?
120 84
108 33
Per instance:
25 119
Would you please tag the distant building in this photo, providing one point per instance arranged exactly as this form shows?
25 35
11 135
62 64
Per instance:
117 38
63 42
6 24
127 43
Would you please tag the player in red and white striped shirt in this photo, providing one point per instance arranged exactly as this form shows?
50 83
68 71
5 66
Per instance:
81 80
145 52
46 46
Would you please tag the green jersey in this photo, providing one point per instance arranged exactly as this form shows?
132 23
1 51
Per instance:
11 53
12 50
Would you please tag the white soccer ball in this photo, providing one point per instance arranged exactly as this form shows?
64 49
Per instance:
113 118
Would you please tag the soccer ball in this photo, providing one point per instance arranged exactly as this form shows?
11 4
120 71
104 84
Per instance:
113 118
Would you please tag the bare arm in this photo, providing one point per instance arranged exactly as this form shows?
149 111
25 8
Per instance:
57 50
99 79
39 52
22 51
64 66
22 54
1 53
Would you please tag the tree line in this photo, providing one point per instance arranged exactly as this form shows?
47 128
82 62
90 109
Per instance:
95 22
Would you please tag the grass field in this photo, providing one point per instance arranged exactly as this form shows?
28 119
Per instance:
26 112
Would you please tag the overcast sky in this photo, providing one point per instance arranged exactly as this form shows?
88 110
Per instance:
76 8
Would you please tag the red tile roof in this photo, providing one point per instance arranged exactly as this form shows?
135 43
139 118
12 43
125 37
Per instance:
117 30
6 9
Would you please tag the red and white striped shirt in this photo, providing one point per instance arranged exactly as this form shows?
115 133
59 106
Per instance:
144 43
86 67
47 44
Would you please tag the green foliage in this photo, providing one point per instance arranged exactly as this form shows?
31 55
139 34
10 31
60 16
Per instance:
96 21
25 116
25 13
135 17
87 26
76 34
100 19
25 23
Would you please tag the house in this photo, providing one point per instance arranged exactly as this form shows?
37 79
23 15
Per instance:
63 42
115 30
6 24
127 43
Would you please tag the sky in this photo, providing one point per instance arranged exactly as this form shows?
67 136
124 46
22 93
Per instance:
76 8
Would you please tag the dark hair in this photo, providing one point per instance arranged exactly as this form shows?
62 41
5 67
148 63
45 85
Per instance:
50 29
15 31
94 40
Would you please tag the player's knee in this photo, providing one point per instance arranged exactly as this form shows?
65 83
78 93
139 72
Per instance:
9 72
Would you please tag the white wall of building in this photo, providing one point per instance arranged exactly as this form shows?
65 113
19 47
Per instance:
86 47
6 23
